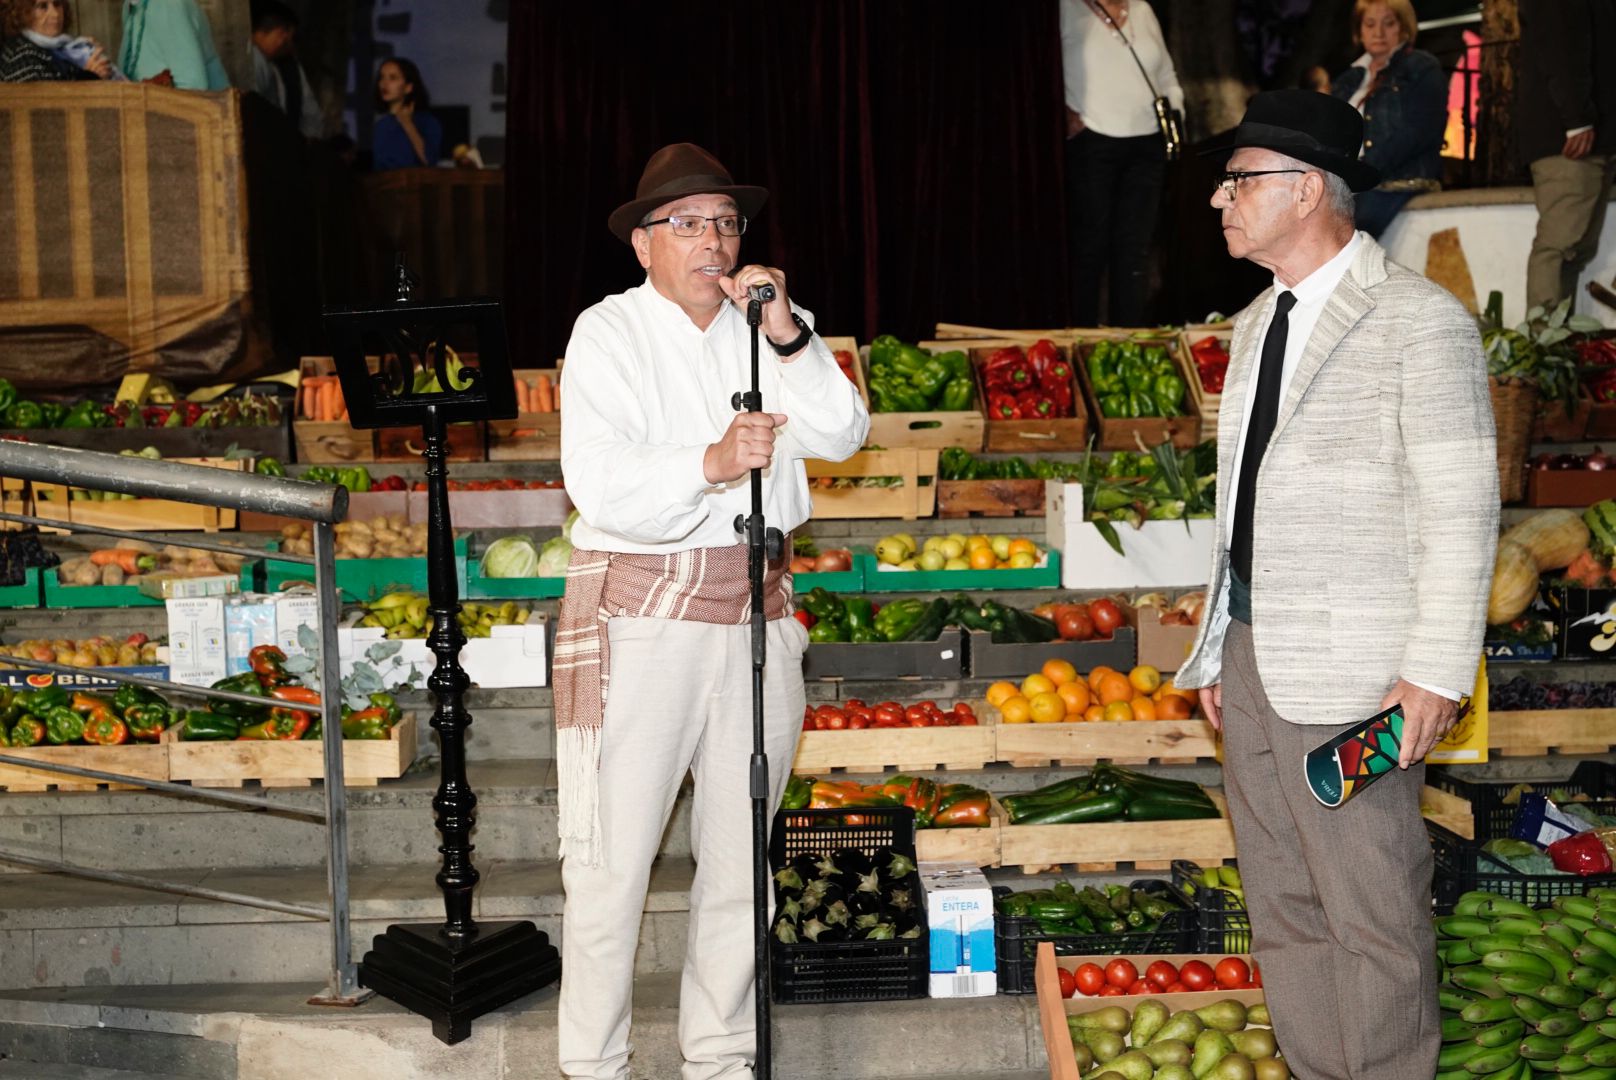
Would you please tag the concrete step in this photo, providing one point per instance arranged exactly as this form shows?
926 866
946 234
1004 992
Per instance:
11 1069
266 1032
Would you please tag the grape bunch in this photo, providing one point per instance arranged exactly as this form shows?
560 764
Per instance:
1521 693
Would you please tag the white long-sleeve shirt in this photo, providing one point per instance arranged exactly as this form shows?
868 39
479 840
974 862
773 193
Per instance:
646 392
1103 84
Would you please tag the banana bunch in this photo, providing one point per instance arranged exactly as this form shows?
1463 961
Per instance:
406 615
1525 990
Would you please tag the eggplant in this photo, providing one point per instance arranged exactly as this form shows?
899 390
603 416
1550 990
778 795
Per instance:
869 883
864 922
833 935
791 908
789 880
881 932
813 896
853 860
865 903
838 914
912 932
806 864
814 930
894 867
1598 461
901 899
785 932
830 892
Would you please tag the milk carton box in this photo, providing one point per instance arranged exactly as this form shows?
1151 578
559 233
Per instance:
959 906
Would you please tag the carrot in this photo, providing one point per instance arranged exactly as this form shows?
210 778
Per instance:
311 393
521 396
341 405
328 401
546 397
125 558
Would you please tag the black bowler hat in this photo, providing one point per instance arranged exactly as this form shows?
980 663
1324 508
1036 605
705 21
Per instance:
1307 125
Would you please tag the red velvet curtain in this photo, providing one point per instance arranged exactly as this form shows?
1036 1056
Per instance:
911 150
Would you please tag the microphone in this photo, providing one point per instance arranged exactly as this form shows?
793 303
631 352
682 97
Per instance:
763 294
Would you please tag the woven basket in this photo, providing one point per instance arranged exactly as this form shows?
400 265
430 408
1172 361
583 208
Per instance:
1514 409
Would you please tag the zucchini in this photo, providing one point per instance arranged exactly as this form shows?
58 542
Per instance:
931 623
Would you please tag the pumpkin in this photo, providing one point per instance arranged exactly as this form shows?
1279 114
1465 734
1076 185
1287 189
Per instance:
1514 583
1553 537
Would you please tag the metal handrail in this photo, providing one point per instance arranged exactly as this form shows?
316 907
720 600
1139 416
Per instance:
125 534
321 504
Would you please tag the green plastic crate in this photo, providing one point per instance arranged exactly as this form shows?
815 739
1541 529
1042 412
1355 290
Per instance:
58 595
26 595
357 579
1047 576
522 588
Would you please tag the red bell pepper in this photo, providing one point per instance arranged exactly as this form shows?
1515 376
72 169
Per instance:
283 724
964 812
1007 369
302 695
1041 356
1002 406
104 729
268 663
1035 405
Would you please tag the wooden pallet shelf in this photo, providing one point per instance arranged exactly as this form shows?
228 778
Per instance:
1114 846
1137 742
1536 732
873 750
289 764
149 761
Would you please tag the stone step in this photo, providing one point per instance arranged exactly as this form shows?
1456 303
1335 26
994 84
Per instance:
12 1069
266 1032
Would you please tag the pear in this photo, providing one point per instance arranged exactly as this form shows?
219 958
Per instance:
1171 1052
931 559
956 564
1254 1042
1133 1065
1174 1072
1225 1015
1107 1045
1233 1067
1211 1047
1084 1056
909 542
1111 1018
1268 1068
1148 1017
892 550
1184 1028
1257 1016
932 543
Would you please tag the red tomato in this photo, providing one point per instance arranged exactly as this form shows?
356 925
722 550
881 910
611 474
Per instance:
888 714
858 721
963 709
915 716
1074 624
1090 978
1140 986
833 720
806 618
1256 976
1232 972
1106 615
1068 982
1111 991
1196 975
930 706
1120 972
1162 974
1175 988
854 703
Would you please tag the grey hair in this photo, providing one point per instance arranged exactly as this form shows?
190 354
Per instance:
1337 192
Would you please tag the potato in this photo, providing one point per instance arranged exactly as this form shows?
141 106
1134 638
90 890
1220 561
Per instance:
112 574
359 528
229 564
292 531
360 547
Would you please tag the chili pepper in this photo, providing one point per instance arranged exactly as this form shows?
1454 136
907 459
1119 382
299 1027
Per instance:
106 730
366 724
28 731
268 466
1002 406
957 394
63 725
23 414
282 725
146 722
302 695
246 682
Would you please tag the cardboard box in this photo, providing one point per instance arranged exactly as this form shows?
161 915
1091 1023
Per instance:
1160 554
1015 661
196 641
509 656
1162 647
940 659
293 611
249 621
959 909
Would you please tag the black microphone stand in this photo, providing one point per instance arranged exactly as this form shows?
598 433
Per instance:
762 545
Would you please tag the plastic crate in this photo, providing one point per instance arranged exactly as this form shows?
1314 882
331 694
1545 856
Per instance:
1222 924
848 970
1016 939
525 588
1595 779
25 595
1462 866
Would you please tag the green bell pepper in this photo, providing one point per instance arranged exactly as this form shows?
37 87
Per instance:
824 605
146 722
52 413
83 415
1168 391
956 463
958 364
1114 406
63 725
826 630
906 398
244 683
1017 469
23 415
204 726
268 466
908 359
882 350
930 378
1140 403
28 731
860 614
1135 375
41 701
798 791
863 634
8 395
958 394
355 478
1109 383
129 695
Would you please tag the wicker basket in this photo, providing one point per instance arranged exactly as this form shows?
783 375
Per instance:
1514 409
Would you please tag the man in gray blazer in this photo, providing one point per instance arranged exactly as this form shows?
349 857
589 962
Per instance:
1358 514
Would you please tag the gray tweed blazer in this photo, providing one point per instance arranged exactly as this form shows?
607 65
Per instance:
1376 515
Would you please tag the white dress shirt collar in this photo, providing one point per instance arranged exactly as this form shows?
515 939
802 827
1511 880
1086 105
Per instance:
667 313
1317 286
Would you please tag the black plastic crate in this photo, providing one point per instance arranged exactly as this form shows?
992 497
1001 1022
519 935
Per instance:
1222 924
1462 867
848 970
1016 939
1595 779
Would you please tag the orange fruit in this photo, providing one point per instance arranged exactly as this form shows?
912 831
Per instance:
1058 671
1047 708
1167 688
981 558
1001 691
1145 678
1076 696
1021 543
1143 708
1097 674
1036 684
1173 707
977 540
1118 711
1016 710
1094 714
1115 687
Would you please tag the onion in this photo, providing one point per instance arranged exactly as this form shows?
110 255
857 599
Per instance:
1543 461
1598 461
1156 600
1567 461
834 561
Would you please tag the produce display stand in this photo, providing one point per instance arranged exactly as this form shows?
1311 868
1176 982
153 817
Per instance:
990 498
1554 422
1490 816
532 436
294 763
1462 867
359 579
1016 938
27 595
516 588
873 750
146 760
1569 487
1030 436
937 430
879 578
58 595
942 658
1135 742
977 844
1107 847
517 508
1117 433
915 497
13 499
1206 402
1054 1009
836 581
53 501
1537 732
1007 660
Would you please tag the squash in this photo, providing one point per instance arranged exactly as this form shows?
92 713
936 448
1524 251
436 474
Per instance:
1553 537
1514 583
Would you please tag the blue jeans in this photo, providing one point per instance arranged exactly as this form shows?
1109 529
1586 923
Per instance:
1375 209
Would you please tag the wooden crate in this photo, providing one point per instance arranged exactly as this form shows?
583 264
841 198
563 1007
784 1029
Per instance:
1114 846
1206 402
1555 423
13 499
1115 433
148 761
467 442
1137 742
138 515
975 845
1535 732
920 430
289 764
871 750
327 442
1055 434
990 498
1448 810
1569 487
532 436
913 499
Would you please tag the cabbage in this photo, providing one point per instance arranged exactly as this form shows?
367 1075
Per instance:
511 557
554 557
566 526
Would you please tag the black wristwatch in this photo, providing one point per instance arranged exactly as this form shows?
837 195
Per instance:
795 345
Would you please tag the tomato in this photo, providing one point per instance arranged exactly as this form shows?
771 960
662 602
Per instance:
1232 972
1106 615
1162 974
888 714
858 721
1120 972
1140 986
1111 991
1196 975
1175 988
1090 978
854 703
805 618
915 716
1256 976
832 720
1068 982
1074 624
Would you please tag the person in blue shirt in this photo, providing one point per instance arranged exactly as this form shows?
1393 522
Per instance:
406 136
172 36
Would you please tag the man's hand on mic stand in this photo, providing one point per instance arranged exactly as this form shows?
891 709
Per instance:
777 321
747 445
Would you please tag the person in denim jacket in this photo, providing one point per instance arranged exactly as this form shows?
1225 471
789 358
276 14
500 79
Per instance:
1403 96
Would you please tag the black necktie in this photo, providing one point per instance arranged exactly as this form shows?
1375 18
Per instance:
1264 413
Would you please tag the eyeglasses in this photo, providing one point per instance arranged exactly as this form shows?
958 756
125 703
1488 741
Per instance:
693 225
1229 183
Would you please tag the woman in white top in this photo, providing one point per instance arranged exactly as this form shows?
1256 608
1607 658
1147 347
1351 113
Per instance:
1115 160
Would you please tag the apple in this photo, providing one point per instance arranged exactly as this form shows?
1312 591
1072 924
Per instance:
908 564
959 538
931 559
933 543
1022 560
956 563
952 548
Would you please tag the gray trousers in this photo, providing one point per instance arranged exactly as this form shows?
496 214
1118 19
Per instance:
1340 900
1571 198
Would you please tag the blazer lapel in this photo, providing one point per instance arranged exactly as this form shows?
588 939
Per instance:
1346 305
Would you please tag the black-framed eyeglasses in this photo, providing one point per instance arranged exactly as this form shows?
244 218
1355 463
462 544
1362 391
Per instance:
1229 182
695 225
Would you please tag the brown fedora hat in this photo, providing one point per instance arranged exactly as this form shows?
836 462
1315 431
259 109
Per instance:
674 172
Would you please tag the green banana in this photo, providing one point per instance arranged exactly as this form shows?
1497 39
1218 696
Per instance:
1562 935
1457 926
1516 926
1563 997
1542 1048
1517 960
1480 980
1607 988
1593 956
1454 999
1530 1008
1538 945
1455 1029
1459 951
1488 1011
1506 1032
1519 982
1492 1060
1584 1040
1591 1010
1491 942
1586 978
1560 1025
1603 1056
1580 906
1456 1055
1498 906
1602 938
